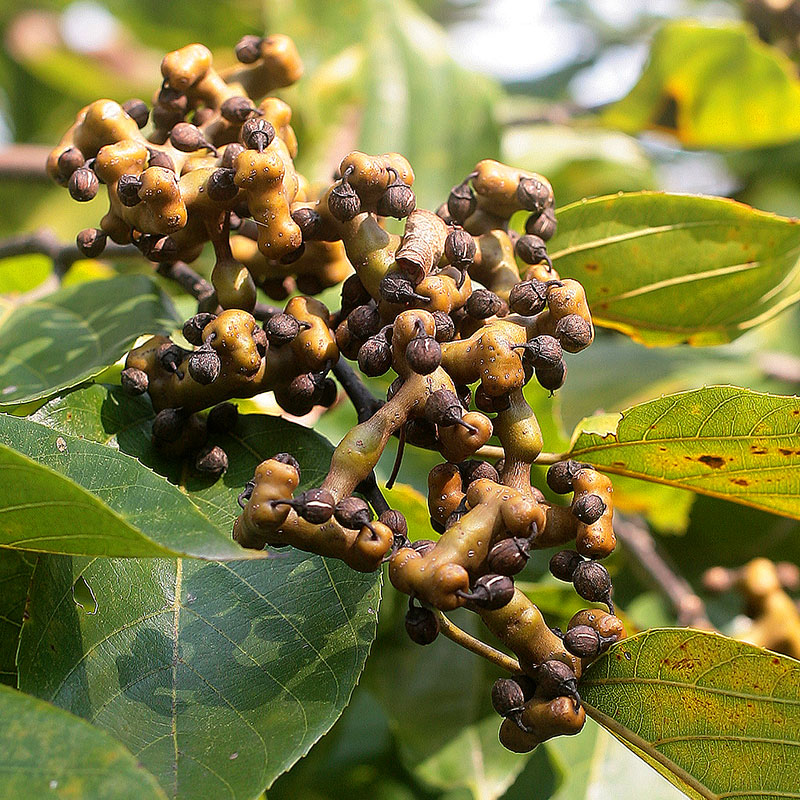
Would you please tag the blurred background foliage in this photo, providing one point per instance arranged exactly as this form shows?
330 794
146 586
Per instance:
697 96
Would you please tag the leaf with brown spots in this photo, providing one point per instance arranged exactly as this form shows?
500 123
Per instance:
666 269
720 440
716 717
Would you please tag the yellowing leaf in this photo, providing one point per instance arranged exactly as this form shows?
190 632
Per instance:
713 88
668 268
716 717
720 440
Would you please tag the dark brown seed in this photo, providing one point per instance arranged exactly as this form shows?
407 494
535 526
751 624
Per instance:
542 225
353 513
490 592
70 160
531 249
165 118
230 153
137 110
220 185
168 424
211 460
289 459
533 195
509 556
461 203
187 137
459 248
194 326
474 470
343 202
552 378
281 329
237 109
327 393
375 357
91 242
163 160
582 641
574 333
364 321
544 352
397 201
309 222
172 100
223 418
556 679
353 291
589 508
528 298
507 696
314 505
421 625
83 185
170 357
248 49
443 408
128 190
561 475
395 287
445 327
396 521
424 355
161 249
257 134
204 365
564 563
592 581
491 404
483 304
421 433
134 381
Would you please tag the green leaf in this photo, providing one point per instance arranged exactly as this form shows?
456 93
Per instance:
16 569
79 449
716 717
667 268
69 336
49 753
65 494
712 88
217 676
721 441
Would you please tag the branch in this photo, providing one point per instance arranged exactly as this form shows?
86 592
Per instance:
494 451
469 642
638 541
24 162
187 278
365 403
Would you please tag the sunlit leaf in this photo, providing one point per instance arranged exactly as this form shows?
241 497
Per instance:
69 336
716 717
49 753
666 268
717 87
721 440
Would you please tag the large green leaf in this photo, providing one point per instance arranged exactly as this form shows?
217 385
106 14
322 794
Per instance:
667 268
49 753
713 88
69 336
81 448
716 717
15 576
217 676
373 83
720 440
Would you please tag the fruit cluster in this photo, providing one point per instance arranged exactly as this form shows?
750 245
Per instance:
461 308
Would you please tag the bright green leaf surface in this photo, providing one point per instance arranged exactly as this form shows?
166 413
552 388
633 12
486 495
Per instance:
49 753
15 575
717 717
668 268
713 88
721 441
67 337
217 676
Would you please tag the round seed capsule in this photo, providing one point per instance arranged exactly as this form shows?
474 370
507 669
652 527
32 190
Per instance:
83 185
507 697
204 366
248 49
542 225
582 641
91 242
421 625
574 333
531 249
423 354
561 475
483 304
533 195
462 202
528 298
137 110
592 581
134 381
128 190
257 134
211 460
353 513
589 508
343 202
564 563
194 326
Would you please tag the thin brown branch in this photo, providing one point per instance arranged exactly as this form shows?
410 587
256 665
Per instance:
476 646
639 543
194 283
24 162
